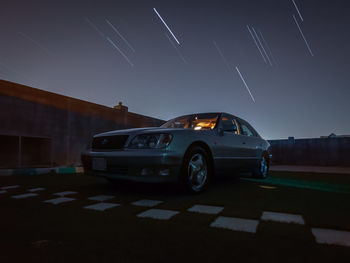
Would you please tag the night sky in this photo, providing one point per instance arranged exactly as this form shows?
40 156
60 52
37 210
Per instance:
66 47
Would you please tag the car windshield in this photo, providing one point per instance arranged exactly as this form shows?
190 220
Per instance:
203 121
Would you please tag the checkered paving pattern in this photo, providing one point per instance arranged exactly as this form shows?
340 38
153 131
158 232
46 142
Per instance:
221 222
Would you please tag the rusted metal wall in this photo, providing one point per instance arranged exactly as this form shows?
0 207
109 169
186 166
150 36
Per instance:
64 124
317 151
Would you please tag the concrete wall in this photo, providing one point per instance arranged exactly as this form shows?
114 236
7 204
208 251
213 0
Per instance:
64 124
318 151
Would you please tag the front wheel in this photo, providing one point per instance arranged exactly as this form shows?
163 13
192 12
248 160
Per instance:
262 169
196 170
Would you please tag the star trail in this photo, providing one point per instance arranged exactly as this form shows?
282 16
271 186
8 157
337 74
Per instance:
168 58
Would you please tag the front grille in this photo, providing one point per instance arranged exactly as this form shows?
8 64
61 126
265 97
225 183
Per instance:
115 142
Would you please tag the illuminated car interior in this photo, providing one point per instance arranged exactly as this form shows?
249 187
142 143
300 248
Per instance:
204 124
195 122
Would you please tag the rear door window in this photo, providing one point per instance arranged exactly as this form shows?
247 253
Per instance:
246 131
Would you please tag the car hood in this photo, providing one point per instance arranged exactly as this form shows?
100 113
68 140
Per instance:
136 131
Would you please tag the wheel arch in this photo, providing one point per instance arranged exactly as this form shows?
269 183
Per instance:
206 147
266 154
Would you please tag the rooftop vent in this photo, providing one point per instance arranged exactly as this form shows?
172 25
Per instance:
121 107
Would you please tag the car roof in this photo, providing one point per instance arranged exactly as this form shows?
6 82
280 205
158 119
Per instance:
198 113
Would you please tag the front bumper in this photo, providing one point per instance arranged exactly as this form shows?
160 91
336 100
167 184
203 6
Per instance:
151 165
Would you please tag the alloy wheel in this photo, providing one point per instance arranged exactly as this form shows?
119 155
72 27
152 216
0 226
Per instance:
197 171
263 167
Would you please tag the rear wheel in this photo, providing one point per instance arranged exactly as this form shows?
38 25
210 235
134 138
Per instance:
262 169
196 170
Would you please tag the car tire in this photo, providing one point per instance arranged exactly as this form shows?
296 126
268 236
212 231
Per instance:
262 169
196 170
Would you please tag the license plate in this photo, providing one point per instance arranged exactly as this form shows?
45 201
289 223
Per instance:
99 164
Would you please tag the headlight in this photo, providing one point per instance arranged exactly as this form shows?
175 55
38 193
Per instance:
151 141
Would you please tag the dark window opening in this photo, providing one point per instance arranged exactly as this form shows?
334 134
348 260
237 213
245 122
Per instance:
9 151
36 152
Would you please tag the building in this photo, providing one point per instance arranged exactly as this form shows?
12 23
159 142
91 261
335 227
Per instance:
45 129
324 151
333 135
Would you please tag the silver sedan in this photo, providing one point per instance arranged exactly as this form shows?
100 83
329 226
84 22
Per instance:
190 149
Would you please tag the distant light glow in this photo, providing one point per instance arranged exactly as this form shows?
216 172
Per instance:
120 35
296 7
155 10
302 34
245 84
121 52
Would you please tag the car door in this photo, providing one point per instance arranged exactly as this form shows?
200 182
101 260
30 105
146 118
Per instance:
230 148
251 143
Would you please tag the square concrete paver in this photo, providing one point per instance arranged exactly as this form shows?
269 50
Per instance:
59 200
101 198
79 169
22 196
331 237
268 187
36 189
66 193
9 187
158 214
101 206
147 202
236 224
283 218
206 209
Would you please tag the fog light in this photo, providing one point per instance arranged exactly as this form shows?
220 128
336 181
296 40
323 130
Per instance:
145 171
164 172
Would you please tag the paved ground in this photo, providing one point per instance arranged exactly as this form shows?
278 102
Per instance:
60 218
